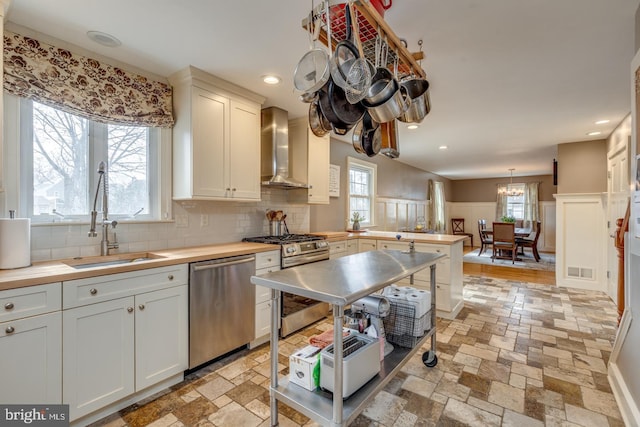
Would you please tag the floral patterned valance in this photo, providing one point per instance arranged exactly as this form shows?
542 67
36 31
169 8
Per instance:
83 86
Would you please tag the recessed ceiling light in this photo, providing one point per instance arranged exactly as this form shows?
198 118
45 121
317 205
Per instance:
412 127
443 147
602 122
271 79
594 133
103 38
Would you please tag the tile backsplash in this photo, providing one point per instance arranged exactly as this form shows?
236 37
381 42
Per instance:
195 223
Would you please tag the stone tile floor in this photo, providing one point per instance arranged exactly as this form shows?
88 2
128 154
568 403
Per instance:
519 354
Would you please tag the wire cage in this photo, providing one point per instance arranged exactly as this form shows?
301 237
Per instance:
402 325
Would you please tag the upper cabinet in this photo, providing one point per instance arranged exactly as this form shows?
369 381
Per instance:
309 161
216 138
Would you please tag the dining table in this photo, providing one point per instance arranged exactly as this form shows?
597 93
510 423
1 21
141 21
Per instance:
518 231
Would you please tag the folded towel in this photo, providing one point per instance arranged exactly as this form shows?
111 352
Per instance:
325 338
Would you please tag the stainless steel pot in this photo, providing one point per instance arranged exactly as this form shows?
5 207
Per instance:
418 91
383 86
391 109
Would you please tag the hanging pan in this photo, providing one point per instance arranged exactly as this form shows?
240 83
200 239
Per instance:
313 70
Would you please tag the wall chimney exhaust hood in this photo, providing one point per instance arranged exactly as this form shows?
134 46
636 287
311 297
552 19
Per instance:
275 150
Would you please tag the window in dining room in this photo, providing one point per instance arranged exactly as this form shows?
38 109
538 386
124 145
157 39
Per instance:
515 201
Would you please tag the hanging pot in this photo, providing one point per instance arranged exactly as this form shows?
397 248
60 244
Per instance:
420 105
371 137
335 107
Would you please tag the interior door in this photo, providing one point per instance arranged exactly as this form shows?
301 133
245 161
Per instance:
618 193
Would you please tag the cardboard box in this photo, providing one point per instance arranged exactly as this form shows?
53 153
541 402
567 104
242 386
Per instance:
301 364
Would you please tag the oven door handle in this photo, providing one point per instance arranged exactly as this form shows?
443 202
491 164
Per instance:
304 259
222 264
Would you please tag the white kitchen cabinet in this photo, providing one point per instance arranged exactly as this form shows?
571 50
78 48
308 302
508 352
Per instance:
31 344
216 138
266 262
352 246
367 245
338 249
129 333
449 299
309 161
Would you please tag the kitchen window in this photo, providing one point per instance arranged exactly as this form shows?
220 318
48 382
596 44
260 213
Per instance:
58 158
362 189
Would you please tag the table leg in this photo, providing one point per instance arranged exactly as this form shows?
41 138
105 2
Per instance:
275 315
338 313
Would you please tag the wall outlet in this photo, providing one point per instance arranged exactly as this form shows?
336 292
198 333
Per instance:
182 221
204 220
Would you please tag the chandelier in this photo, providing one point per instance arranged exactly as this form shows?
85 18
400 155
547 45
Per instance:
511 190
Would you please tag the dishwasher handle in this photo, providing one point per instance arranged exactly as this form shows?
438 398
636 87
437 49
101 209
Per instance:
222 264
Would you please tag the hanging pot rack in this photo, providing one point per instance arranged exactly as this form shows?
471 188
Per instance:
370 24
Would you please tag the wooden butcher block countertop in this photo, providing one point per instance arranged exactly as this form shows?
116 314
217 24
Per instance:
55 271
441 239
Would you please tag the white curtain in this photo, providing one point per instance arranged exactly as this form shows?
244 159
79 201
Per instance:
436 207
501 201
531 204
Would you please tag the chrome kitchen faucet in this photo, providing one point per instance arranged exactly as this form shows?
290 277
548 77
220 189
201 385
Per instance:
105 245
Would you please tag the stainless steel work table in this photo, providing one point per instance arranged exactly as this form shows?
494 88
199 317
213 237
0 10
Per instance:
340 282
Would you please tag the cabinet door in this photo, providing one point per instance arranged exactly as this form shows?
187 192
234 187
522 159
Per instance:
263 319
98 361
244 151
352 246
161 335
318 173
337 249
31 352
209 135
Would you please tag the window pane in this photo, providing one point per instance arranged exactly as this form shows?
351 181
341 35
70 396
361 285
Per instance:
60 162
128 171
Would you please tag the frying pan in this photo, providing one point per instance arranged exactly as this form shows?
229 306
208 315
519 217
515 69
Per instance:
318 123
334 106
344 55
371 136
357 138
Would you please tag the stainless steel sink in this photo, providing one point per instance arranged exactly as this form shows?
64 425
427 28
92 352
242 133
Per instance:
106 261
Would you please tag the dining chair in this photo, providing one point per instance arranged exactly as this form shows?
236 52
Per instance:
504 240
457 227
485 239
531 243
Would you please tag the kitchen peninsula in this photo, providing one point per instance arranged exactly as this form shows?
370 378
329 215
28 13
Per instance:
448 272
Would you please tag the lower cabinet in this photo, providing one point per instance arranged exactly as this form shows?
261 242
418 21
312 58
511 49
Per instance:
266 262
449 299
31 350
337 249
117 347
31 344
367 245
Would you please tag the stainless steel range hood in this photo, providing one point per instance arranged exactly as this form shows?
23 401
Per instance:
275 150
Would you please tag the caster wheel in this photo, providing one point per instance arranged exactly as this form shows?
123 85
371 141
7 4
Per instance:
429 359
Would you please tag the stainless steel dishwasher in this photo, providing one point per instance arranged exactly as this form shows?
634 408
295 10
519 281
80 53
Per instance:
221 307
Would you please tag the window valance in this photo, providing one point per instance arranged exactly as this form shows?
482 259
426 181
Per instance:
83 86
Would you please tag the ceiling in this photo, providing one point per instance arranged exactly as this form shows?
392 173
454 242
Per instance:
509 80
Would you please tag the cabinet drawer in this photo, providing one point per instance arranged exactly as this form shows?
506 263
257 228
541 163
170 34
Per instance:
366 245
80 292
391 245
337 249
30 301
433 249
267 259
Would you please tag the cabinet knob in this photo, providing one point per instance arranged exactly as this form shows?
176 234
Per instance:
269 259
8 306
233 189
141 306
170 277
228 189
129 309
10 329
93 291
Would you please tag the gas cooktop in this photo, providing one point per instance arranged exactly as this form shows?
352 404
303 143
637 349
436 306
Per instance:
285 238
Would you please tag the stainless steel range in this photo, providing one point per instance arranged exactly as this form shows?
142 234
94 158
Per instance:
298 249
